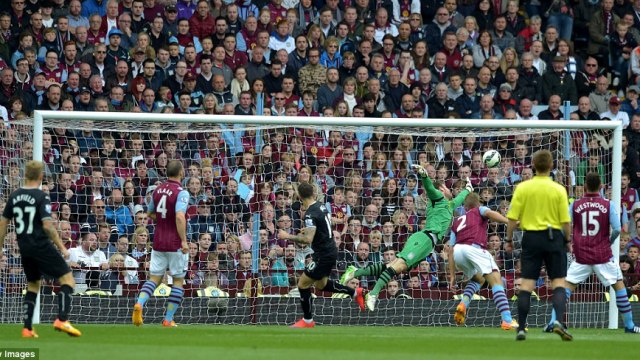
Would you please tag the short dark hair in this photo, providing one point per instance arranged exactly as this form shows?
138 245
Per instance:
305 191
174 168
592 182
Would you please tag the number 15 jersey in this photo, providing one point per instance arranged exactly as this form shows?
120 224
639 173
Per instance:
168 199
592 216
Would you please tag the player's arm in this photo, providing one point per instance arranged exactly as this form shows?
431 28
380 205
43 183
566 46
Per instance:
452 264
565 214
493 215
151 209
304 237
52 233
4 223
459 200
181 219
511 226
432 193
614 221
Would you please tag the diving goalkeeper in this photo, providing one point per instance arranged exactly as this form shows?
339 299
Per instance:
420 244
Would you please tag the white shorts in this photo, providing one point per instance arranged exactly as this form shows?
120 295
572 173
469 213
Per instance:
176 262
608 273
472 260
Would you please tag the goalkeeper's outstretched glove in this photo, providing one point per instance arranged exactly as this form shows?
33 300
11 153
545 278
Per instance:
420 170
469 186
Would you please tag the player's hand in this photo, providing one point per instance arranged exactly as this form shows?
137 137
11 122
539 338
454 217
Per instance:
469 185
283 235
184 247
419 169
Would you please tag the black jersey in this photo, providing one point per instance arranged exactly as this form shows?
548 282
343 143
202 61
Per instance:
28 207
318 216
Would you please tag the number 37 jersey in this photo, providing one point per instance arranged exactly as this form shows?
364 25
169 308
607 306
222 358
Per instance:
28 207
317 216
592 216
168 199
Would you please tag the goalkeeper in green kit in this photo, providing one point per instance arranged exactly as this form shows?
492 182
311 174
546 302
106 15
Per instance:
420 244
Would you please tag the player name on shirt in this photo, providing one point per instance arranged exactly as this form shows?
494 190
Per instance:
24 197
166 191
592 205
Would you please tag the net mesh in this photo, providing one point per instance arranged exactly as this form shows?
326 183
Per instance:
99 174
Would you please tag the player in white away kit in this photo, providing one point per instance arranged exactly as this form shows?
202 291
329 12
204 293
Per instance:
592 216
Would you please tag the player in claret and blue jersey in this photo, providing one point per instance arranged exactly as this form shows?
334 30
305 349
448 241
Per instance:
469 249
592 217
168 207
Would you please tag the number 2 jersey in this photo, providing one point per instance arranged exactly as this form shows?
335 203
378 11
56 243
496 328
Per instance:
168 199
317 216
28 207
470 228
592 216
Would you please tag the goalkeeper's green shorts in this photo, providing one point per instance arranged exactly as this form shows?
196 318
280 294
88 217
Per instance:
417 248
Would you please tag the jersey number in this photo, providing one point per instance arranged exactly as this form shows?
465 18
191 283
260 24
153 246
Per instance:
590 221
328 220
162 206
463 223
20 219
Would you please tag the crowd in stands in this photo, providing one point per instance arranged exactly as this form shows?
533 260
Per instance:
480 59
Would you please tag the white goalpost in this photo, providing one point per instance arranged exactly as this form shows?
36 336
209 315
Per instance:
257 302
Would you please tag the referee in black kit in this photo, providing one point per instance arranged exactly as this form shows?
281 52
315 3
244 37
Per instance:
542 208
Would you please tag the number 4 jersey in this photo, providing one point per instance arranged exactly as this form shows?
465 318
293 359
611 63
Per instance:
28 207
592 216
168 199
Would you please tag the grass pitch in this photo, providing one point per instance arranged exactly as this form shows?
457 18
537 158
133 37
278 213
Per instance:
120 342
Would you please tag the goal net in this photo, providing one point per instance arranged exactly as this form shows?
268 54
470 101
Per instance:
242 174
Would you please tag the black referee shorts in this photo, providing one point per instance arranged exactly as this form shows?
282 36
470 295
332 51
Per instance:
538 248
43 261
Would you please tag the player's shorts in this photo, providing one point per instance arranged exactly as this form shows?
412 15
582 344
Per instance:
320 266
608 273
538 248
176 262
473 260
417 248
44 261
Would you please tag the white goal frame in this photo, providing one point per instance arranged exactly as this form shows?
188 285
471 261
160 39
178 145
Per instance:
615 126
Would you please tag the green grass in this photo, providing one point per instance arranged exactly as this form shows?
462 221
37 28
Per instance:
211 342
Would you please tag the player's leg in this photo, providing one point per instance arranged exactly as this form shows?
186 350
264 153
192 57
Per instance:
463 258
333 286
33 275
375 269
555 261
53 264
531 260
29 305
417 248
157 268
624 307
576 274
177 270
501 301
610 274
306 301
67 283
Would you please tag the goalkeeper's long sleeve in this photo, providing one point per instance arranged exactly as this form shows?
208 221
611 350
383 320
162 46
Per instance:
432 193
